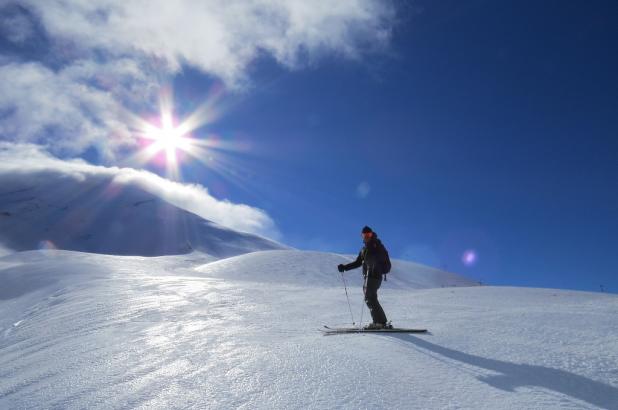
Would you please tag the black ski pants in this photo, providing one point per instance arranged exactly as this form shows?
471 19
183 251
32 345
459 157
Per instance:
371 286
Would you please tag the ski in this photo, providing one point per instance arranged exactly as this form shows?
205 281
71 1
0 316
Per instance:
342 330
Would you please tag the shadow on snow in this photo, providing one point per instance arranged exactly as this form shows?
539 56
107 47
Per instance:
513 375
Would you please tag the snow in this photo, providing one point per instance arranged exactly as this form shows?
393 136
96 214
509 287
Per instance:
96 213
81 330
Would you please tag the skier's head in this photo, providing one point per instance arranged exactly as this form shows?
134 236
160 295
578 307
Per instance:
366 233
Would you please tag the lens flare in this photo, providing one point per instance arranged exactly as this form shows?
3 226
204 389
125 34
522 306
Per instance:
469 257
46 245
166 140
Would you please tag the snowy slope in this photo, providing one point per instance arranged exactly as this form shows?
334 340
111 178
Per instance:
316 268
95 214
83 330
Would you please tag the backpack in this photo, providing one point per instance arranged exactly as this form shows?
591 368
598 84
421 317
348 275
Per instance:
385 260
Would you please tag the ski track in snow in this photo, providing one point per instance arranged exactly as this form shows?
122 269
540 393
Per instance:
83 330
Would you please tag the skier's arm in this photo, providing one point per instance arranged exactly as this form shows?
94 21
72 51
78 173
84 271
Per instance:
356 264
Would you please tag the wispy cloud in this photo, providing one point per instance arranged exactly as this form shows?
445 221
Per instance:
59 111
219 37
29 163
5 251
74 66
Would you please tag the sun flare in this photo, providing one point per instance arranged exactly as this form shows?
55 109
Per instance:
168 139
170 142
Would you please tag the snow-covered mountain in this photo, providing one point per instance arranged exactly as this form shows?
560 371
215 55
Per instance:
80 330
133 301
97 214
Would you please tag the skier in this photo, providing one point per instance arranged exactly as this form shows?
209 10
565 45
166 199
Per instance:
371 257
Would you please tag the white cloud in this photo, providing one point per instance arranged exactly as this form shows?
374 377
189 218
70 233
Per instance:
98 58
220 37
55 109
31 162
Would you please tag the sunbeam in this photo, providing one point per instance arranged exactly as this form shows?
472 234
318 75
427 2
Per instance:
166 141
172 144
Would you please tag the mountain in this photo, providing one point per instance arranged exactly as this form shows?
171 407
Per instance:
94 213
81 330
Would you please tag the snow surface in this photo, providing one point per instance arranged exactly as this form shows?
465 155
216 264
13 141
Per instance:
81 330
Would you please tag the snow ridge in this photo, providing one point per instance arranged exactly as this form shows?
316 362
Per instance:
101 216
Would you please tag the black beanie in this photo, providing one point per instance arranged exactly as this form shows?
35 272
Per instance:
366 229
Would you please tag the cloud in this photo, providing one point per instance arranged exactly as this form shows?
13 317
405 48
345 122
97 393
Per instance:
5 251
220 37
57 110
30 162
82 63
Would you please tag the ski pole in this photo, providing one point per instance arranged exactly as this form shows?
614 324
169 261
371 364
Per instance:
360 325
345 286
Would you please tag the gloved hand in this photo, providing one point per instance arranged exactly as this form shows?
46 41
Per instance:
340 268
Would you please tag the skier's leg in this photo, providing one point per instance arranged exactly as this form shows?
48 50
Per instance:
371 299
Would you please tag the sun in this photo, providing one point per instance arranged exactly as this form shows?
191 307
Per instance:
168 139
166 142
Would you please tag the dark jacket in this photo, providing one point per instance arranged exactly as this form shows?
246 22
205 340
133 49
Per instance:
369 257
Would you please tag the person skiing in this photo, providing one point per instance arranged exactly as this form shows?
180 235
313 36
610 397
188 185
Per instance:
371 257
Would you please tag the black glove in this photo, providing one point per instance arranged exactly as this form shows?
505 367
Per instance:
341 268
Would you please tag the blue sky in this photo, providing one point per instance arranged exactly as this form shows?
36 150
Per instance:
475 126
486 128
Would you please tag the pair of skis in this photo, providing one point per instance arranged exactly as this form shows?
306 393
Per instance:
327 330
